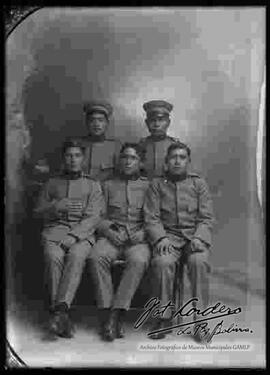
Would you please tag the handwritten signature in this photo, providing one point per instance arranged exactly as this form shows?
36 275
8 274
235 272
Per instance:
154 309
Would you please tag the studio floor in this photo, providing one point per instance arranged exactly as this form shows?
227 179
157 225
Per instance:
25 329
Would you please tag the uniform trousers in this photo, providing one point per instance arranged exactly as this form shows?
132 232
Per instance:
163 268
63 270
104 253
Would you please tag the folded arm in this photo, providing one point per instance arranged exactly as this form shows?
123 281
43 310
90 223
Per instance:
92 214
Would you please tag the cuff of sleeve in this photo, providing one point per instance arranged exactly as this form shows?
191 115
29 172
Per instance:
203 234
158 241
207 244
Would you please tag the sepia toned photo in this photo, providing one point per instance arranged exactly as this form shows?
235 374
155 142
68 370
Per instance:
135 187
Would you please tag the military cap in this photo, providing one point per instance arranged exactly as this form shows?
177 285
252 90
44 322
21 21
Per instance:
158 107
100 106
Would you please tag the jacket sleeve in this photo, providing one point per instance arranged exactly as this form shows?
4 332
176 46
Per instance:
92 214
205 219
105 223
46 205
153 225
117 149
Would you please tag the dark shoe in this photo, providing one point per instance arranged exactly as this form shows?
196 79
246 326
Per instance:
159 324
201 337
56 323
61 324
68 328
120 331
109 332
103 316
169 323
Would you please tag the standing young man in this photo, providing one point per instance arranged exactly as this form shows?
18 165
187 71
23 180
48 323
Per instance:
179 220
101 152
157 143
71 205
121 235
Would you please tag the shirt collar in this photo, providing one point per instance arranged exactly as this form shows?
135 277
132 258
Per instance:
132 177
176 178
159 137
96 138
72 175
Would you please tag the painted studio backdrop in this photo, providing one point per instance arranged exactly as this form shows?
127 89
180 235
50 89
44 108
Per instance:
208 62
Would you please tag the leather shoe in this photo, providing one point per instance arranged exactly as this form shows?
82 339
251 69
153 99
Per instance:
159 324
120 331
102 319
109 331
200 337
60 323
56 323
68 328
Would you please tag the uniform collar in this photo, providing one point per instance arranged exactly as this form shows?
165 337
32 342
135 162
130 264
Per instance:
133 177
96 138
72 175
176 178
157 138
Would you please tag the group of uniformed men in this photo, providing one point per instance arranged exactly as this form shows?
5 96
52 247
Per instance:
136 201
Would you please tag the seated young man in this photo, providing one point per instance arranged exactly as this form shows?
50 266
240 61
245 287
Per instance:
179 220
121 235
71 205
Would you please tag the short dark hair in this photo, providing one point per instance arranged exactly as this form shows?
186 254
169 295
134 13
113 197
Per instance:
73 142
176 146
136 146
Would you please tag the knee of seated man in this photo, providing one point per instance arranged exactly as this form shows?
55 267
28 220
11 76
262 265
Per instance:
53 254
80 250
162 261
198 259
139 260
51 258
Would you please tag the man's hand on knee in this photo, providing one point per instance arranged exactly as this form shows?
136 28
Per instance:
67 242
163 247
197 245
115 237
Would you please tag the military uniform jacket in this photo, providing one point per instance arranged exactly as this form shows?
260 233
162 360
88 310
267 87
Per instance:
155 152
124 200
80 222
181 209
101 157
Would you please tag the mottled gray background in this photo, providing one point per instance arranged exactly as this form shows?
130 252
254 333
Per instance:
208 62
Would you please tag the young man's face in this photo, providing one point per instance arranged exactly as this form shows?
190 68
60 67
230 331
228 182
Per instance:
73 158
129 162
178 161
97 123
157 124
